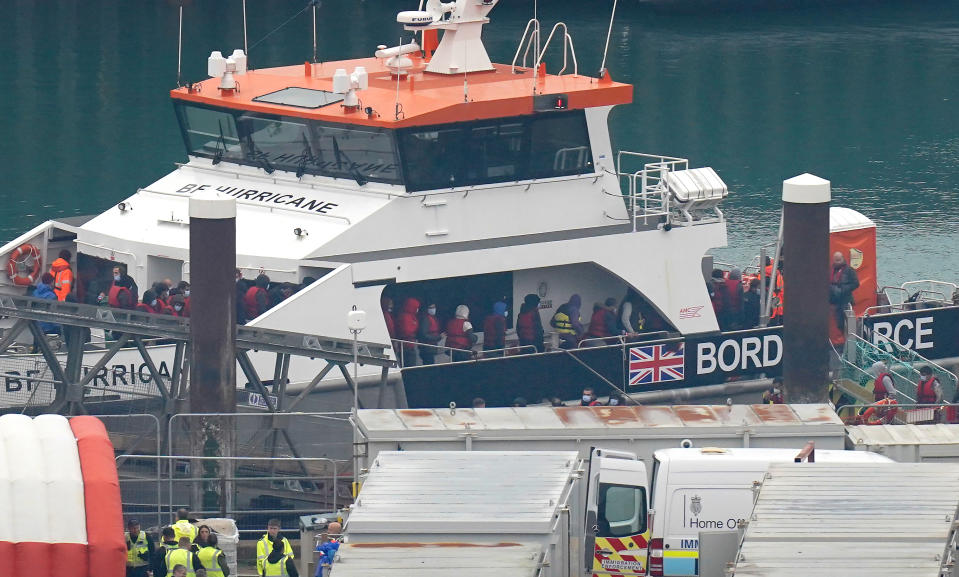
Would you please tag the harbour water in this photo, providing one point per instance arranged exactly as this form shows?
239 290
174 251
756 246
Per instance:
862 93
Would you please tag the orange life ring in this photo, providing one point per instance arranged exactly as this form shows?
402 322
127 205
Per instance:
881 413
24 265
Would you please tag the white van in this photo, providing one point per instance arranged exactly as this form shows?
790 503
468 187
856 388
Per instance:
699 489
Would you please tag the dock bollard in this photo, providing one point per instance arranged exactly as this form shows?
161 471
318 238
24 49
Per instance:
806 305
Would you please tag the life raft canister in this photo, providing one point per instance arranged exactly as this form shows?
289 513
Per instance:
24 265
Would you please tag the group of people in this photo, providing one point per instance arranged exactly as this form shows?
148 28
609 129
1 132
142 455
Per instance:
611 318
419 332
188 550
253 298
737 302
185 550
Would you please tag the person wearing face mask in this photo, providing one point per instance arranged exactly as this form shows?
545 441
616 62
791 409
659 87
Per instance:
616 400
589 398
184 288
428 333
178 305
494 329
150 304
121 295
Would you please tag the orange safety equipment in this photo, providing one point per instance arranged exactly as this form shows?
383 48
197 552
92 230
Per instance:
24 265
62 278
881 413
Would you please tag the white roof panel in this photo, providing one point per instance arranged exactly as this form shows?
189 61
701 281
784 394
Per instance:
462 492
577 421
884 435
841 219
505 559
828 519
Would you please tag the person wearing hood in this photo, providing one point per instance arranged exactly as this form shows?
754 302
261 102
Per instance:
428 334
567 323
459 335
407 325
494 329
62 275
256 301
883 385
842 282
529 325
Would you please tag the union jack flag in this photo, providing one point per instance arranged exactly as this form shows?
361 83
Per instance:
656 363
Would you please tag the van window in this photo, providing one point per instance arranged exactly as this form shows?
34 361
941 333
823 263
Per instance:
622 510
704 508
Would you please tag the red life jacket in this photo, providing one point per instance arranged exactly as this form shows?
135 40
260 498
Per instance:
456 337
145 308
113 298
407 324
249 301
879 390
925 393
597 324
734 294
494 332
526 326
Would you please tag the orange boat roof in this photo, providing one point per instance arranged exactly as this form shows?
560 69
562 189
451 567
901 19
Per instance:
426 98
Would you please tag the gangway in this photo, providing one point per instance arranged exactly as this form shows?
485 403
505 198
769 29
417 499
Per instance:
856 377
71 381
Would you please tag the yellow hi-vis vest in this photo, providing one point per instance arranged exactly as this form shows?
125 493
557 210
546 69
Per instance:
209 558
179 556
562 324
277 569
135 549
263 548
184 528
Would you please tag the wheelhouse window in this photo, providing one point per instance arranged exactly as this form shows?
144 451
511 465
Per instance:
292 144
501 150
210 133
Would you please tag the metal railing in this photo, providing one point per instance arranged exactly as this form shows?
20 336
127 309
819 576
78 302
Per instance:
646 194
252 483
905 413
448 353
901 364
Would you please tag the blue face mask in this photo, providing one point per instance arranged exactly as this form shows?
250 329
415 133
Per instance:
153 303
613 402
431 310
587 398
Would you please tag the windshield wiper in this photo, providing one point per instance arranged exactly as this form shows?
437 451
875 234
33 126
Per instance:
218 153
305 157
337 153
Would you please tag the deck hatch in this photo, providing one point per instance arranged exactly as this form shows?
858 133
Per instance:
300 97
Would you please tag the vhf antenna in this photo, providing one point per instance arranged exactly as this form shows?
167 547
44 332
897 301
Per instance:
179 50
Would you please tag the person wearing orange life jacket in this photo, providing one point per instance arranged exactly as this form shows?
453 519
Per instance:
929 390
459 335
256 301
779 294
62 275
883 385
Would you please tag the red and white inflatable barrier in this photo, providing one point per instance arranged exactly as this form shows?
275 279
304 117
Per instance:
60 512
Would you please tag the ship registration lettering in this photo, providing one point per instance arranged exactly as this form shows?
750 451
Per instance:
265 196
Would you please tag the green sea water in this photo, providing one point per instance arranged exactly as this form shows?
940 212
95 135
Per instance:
863 93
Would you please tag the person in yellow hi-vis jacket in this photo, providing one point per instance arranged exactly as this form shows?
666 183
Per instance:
268 544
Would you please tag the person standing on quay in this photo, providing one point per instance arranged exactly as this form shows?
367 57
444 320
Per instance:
272 545
140 550
212 558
